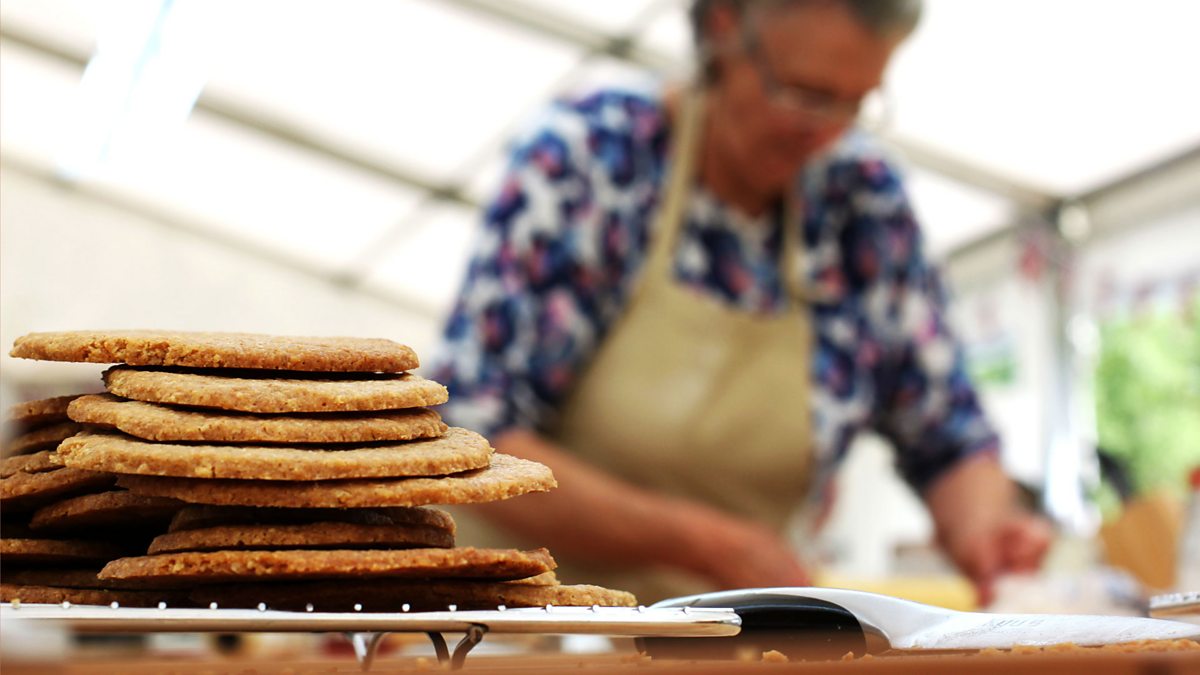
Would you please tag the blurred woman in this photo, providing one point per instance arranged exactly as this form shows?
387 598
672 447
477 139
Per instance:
687 303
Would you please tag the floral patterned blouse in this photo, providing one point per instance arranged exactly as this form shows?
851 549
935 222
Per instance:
564 240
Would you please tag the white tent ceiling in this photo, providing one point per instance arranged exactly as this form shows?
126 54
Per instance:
355 139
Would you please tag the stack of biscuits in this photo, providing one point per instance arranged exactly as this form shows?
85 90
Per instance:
298 474
61 525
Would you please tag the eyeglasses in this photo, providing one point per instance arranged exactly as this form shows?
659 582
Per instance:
871 111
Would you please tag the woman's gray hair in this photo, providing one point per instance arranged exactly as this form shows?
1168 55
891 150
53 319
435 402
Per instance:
886 18
889 19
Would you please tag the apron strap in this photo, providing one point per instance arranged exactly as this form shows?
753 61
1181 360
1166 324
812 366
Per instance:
680 172
670 216
795 288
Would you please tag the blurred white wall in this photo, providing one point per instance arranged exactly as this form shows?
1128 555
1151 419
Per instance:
69 261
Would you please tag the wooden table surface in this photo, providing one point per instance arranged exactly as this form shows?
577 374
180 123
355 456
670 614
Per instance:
1099 663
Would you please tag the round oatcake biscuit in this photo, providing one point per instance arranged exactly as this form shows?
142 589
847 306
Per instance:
258 566
155 422
199 516
218 350
459 450
23 491
33 594
44 438
301 536
33 414
108 511
506 477
58 551
388 595
275 392
38 462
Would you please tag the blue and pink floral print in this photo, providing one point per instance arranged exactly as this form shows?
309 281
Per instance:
564 241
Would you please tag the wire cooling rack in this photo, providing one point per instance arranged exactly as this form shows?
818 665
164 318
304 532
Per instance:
366 630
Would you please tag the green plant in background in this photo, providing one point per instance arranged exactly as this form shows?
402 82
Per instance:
992 364
1147 391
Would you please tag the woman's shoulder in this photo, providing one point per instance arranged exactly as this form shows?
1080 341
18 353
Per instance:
637 110
631 111
616 134
857 163
860 206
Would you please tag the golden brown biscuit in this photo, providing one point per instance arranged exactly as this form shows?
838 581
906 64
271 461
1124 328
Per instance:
65 577
156 422
195 517
273 392
417 563
543 579
506 477
57 551
86 596
388 595
301 536
33 414
218 350
106 511
22 491
44 438
38 462
458 450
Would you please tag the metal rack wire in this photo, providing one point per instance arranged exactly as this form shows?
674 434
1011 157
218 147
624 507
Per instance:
1176 606
366 630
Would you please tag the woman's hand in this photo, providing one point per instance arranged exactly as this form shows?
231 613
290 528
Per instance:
981 526
732 552
1015 543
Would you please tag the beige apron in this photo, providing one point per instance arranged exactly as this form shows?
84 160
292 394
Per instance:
692 398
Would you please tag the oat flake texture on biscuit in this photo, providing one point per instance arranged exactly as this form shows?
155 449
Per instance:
504 478
155 422
275 392
218 350
420 563
457 451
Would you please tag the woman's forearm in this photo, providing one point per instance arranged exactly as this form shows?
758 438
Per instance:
969 497
591 514
599 517
982 526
